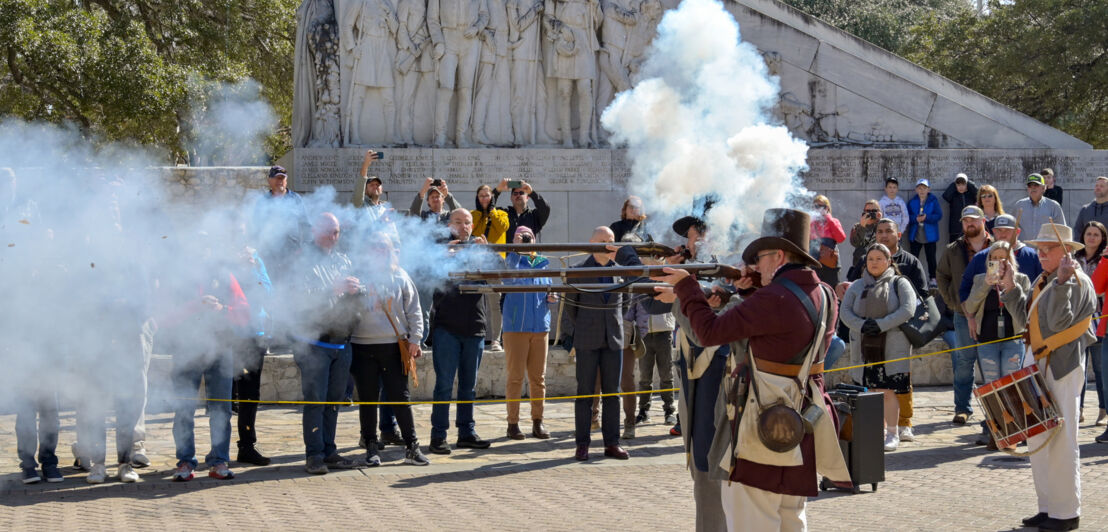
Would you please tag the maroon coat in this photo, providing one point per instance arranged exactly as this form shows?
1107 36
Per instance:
778 327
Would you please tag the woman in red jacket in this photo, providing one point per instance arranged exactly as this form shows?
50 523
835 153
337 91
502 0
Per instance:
826 235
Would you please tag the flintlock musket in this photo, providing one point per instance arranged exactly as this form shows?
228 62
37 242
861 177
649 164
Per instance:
646 249
700 270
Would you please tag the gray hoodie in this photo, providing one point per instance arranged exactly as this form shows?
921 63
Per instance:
374 327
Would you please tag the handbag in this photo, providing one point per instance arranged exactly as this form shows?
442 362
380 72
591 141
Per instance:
828 256
873 348
925 323
407 362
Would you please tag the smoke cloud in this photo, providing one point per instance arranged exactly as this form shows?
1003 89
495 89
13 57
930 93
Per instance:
697 126
95 246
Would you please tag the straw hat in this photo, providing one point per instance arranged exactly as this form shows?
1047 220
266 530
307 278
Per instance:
1049 233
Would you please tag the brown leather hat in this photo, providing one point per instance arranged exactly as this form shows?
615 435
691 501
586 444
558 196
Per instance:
784 229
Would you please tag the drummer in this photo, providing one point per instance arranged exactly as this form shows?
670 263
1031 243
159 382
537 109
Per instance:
1057 313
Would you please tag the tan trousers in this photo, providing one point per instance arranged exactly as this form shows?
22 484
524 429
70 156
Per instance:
747 508
525 352
626 384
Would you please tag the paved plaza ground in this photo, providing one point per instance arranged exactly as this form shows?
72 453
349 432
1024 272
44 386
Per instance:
940 482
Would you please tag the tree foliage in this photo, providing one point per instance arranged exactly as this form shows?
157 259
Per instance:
140 69
885 23
1045 58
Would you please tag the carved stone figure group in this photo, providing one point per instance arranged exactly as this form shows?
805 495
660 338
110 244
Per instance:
459 72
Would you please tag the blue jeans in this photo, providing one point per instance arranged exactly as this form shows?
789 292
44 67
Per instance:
217 375
1000 359
324 373
454 356
42 435
834 352
962 361
610 364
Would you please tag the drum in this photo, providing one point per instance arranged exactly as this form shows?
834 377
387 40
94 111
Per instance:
1018 406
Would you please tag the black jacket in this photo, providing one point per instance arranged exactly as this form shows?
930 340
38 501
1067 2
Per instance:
534 218
957 203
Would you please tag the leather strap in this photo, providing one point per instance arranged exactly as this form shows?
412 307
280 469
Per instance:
787 370
1043 347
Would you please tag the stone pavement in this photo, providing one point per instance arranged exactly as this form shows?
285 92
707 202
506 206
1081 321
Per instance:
940 482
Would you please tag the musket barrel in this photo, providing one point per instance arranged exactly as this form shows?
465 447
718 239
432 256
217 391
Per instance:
651 249
701 270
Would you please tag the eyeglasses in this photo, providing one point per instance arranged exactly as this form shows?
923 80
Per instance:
766 254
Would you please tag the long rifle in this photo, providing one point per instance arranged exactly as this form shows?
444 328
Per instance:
646 249
700 270
636 288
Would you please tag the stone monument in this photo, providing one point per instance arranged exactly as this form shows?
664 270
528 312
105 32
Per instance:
473 91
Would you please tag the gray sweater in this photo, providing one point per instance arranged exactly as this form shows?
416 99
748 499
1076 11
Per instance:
1059 307
374 327
901 305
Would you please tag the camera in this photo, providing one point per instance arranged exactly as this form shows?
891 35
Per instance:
436 183
515 184
526 239
871 215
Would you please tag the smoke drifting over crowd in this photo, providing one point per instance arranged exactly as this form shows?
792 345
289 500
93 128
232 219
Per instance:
94 247
697 126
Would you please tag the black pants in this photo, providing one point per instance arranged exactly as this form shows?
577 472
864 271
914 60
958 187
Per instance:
249 357
928 248
609 362
372 366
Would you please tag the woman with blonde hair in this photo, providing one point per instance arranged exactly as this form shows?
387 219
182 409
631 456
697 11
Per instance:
989 201
825 236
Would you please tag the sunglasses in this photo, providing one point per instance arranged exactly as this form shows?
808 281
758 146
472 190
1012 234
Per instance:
518 193
987 196
872 212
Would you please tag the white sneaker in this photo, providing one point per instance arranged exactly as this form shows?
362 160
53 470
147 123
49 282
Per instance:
127 474
905 434
892 441
138 455
97 474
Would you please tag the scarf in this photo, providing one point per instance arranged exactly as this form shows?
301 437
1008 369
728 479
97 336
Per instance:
874 302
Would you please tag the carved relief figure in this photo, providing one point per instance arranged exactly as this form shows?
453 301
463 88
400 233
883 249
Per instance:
492 118
620 22
316 115
369 35
528 113
413 61
572 27
454 25
650 14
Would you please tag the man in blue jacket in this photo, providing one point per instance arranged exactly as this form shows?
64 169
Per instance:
526 331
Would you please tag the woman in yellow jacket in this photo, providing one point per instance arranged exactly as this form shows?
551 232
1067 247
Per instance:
492 223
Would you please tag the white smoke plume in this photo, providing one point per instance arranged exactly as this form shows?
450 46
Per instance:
697 126
94 243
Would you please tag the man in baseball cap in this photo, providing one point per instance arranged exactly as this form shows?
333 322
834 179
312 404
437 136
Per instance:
1035 210
1004 228
950 272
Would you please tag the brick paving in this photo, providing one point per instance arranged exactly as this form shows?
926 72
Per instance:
940 482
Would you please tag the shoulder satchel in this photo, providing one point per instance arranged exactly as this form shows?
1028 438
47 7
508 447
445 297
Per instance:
772 436
407 362
924 325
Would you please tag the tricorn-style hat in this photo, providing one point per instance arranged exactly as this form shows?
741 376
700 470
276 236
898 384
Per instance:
682 225
785 229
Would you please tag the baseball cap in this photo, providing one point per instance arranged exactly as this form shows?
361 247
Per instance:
1035 179
1047 171
972 211
923 181
277 171
523 229
1004 221
961 177
375 178
891 180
